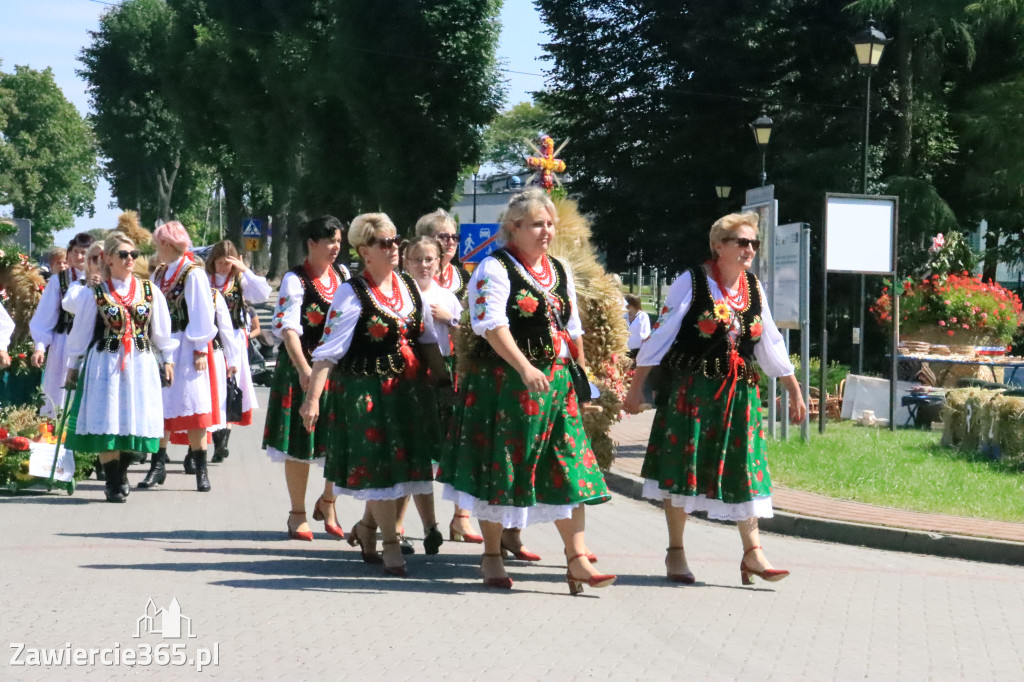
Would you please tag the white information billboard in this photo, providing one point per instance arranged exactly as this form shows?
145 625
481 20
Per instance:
859 234
786 276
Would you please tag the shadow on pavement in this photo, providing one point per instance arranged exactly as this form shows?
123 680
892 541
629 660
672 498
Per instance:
243 535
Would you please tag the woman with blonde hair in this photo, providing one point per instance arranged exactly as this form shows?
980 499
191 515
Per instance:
122 329
378 343
307 291
517 453
450 277
707 448
188 402
240 288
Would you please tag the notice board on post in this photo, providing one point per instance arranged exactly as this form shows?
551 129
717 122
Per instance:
860 234
786 275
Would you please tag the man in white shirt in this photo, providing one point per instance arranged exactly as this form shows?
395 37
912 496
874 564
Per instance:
639 324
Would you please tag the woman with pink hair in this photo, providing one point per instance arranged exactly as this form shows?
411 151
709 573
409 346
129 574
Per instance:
188 404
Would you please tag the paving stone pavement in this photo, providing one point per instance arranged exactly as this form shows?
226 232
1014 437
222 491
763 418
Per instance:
77 572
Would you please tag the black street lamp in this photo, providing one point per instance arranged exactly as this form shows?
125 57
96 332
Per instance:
476 171
762 128
722 190
869 45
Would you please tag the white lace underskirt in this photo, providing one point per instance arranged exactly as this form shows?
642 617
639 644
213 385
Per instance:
280 457
760 507
508 517
395 492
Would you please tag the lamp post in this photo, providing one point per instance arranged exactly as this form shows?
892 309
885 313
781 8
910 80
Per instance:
722 190
762 128
868 45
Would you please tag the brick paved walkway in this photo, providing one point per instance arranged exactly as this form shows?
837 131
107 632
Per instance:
632 434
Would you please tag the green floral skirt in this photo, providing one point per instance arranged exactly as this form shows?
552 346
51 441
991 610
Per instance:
704 458
284 436
382 435
516 457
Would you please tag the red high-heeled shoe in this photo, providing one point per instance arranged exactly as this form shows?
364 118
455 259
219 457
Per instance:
521 553
318 515
456 536
685 578
769 575
397 570
504 583
576 584
306 535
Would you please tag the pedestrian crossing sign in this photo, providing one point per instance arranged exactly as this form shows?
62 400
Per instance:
252 227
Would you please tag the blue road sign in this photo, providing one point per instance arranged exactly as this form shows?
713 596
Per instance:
252 227
477 241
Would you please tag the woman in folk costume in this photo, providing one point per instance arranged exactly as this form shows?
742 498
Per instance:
707 448
380 411
188 402
51 324
307 291
517 453
6 330
123 331
225 360
240 287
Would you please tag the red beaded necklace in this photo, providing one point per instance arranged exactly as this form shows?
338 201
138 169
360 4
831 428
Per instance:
228 279
545 276
164 282
126 301
326 292
741 298
446 276
394 301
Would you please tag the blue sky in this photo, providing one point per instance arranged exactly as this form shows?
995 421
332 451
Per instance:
50 33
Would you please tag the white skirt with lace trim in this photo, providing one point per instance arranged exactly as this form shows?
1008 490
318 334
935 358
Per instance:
508 517
279 456
760 507
395 492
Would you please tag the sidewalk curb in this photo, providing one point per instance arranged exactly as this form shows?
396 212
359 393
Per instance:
864 535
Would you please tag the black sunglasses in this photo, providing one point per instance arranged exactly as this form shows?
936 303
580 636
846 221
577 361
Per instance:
448 237
743 242
124 254
385 243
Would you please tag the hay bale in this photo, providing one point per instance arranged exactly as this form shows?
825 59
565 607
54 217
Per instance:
977 418
1009 428
954 416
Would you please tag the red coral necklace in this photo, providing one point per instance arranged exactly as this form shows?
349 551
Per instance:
741 298
394 301
446 276
164 282
545 276
126 301
326 292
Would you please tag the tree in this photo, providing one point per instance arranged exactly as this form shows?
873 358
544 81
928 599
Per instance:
138 128
504 144
47 154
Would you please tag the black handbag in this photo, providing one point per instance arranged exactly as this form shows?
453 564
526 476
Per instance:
233 407
580 382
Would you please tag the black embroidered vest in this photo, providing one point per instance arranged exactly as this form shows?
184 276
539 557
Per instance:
314 309
64 318
175 296
702 344
529 321
218 342
379 333
460 280
236 302
112 319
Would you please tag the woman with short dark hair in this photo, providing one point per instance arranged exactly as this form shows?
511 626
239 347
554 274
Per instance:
307 291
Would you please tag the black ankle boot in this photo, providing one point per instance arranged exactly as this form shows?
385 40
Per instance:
125 460
189 463
157 470
220 445
202 479
112 489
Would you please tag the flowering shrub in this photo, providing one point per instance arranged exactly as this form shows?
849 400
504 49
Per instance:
958 306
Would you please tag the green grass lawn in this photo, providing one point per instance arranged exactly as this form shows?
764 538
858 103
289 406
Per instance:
907 469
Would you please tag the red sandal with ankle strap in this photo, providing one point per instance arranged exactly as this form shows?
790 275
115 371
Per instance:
576 584
331 528
769 575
